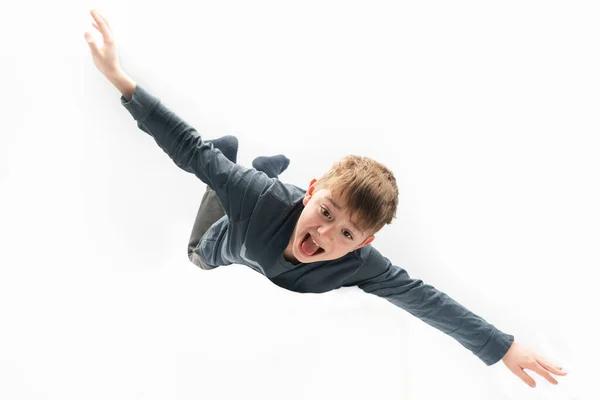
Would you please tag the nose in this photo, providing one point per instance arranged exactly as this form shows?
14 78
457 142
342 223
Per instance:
325 232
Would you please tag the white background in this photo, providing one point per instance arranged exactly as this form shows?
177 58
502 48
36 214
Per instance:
487 112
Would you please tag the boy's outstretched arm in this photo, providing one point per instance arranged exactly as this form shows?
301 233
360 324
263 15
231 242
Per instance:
236 186
380 277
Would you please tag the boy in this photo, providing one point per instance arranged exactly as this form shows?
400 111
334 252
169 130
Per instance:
306 241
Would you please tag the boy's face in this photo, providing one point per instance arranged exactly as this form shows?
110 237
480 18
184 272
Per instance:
323 222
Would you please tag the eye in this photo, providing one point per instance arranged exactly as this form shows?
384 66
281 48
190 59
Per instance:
327 215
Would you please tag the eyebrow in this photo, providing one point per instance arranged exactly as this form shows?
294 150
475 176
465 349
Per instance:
339 208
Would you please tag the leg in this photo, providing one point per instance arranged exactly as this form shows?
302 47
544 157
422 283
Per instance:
272 166
228 145
210 211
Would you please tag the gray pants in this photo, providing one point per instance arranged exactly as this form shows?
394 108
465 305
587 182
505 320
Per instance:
210 211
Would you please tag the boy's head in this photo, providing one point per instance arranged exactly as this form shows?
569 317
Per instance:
344 209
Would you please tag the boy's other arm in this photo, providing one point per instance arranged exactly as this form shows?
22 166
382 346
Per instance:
380 277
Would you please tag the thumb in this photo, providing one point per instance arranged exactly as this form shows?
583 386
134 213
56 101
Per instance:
90 39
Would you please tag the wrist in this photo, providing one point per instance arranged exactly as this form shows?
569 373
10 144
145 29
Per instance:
123 83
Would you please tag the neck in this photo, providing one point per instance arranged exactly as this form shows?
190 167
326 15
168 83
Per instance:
288 254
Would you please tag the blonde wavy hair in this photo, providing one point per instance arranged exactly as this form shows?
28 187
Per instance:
366 188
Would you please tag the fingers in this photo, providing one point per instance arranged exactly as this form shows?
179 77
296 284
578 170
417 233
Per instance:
102 26
551 367
544 373
524 377
95 16
105 20
542 368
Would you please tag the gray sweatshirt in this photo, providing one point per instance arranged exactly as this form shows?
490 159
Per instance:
261 213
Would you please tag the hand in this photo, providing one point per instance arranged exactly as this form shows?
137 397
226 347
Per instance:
105 58
519 357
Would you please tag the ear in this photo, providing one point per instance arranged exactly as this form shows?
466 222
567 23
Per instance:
309 191
366 242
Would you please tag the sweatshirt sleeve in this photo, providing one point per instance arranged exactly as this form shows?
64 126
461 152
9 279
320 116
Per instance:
236 186
380 277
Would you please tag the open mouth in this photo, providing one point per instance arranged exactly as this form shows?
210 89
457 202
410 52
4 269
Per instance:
309 247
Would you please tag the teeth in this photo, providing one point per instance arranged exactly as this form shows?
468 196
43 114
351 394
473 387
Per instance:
314 241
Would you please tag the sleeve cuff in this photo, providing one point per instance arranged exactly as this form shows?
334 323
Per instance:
141 103
496 348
